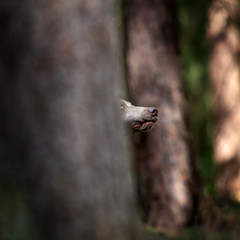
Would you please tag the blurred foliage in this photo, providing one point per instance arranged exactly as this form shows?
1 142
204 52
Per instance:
192 23
221 223
16 222
198 234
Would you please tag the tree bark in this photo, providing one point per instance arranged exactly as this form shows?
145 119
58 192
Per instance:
225 76
165 166
61 134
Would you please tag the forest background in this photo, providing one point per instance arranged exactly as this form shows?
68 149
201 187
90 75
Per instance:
60 178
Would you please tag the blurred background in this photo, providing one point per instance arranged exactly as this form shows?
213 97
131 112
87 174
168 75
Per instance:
184 58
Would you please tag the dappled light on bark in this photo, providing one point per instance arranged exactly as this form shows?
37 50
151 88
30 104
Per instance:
225 77
165 166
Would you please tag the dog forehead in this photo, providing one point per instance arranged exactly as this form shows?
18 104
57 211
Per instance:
126 102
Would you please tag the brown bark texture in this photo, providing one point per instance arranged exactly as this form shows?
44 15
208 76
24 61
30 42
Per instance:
225 78
165 166
61 132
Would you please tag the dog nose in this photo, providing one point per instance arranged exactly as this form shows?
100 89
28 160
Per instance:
153 110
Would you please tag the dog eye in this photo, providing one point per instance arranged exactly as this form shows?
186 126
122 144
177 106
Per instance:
121 106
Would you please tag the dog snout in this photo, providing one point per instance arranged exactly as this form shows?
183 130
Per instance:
153 111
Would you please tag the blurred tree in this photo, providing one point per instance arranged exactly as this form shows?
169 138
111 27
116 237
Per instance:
61 135
167 176
225 77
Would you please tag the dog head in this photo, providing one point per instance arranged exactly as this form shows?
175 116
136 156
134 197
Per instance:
138 119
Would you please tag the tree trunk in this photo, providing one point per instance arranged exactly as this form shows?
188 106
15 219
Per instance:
165 166
224 73
61 134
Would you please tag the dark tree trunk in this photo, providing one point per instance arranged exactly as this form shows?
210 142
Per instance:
61 133
225 78
166 169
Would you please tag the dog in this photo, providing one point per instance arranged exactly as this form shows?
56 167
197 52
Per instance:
138 119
